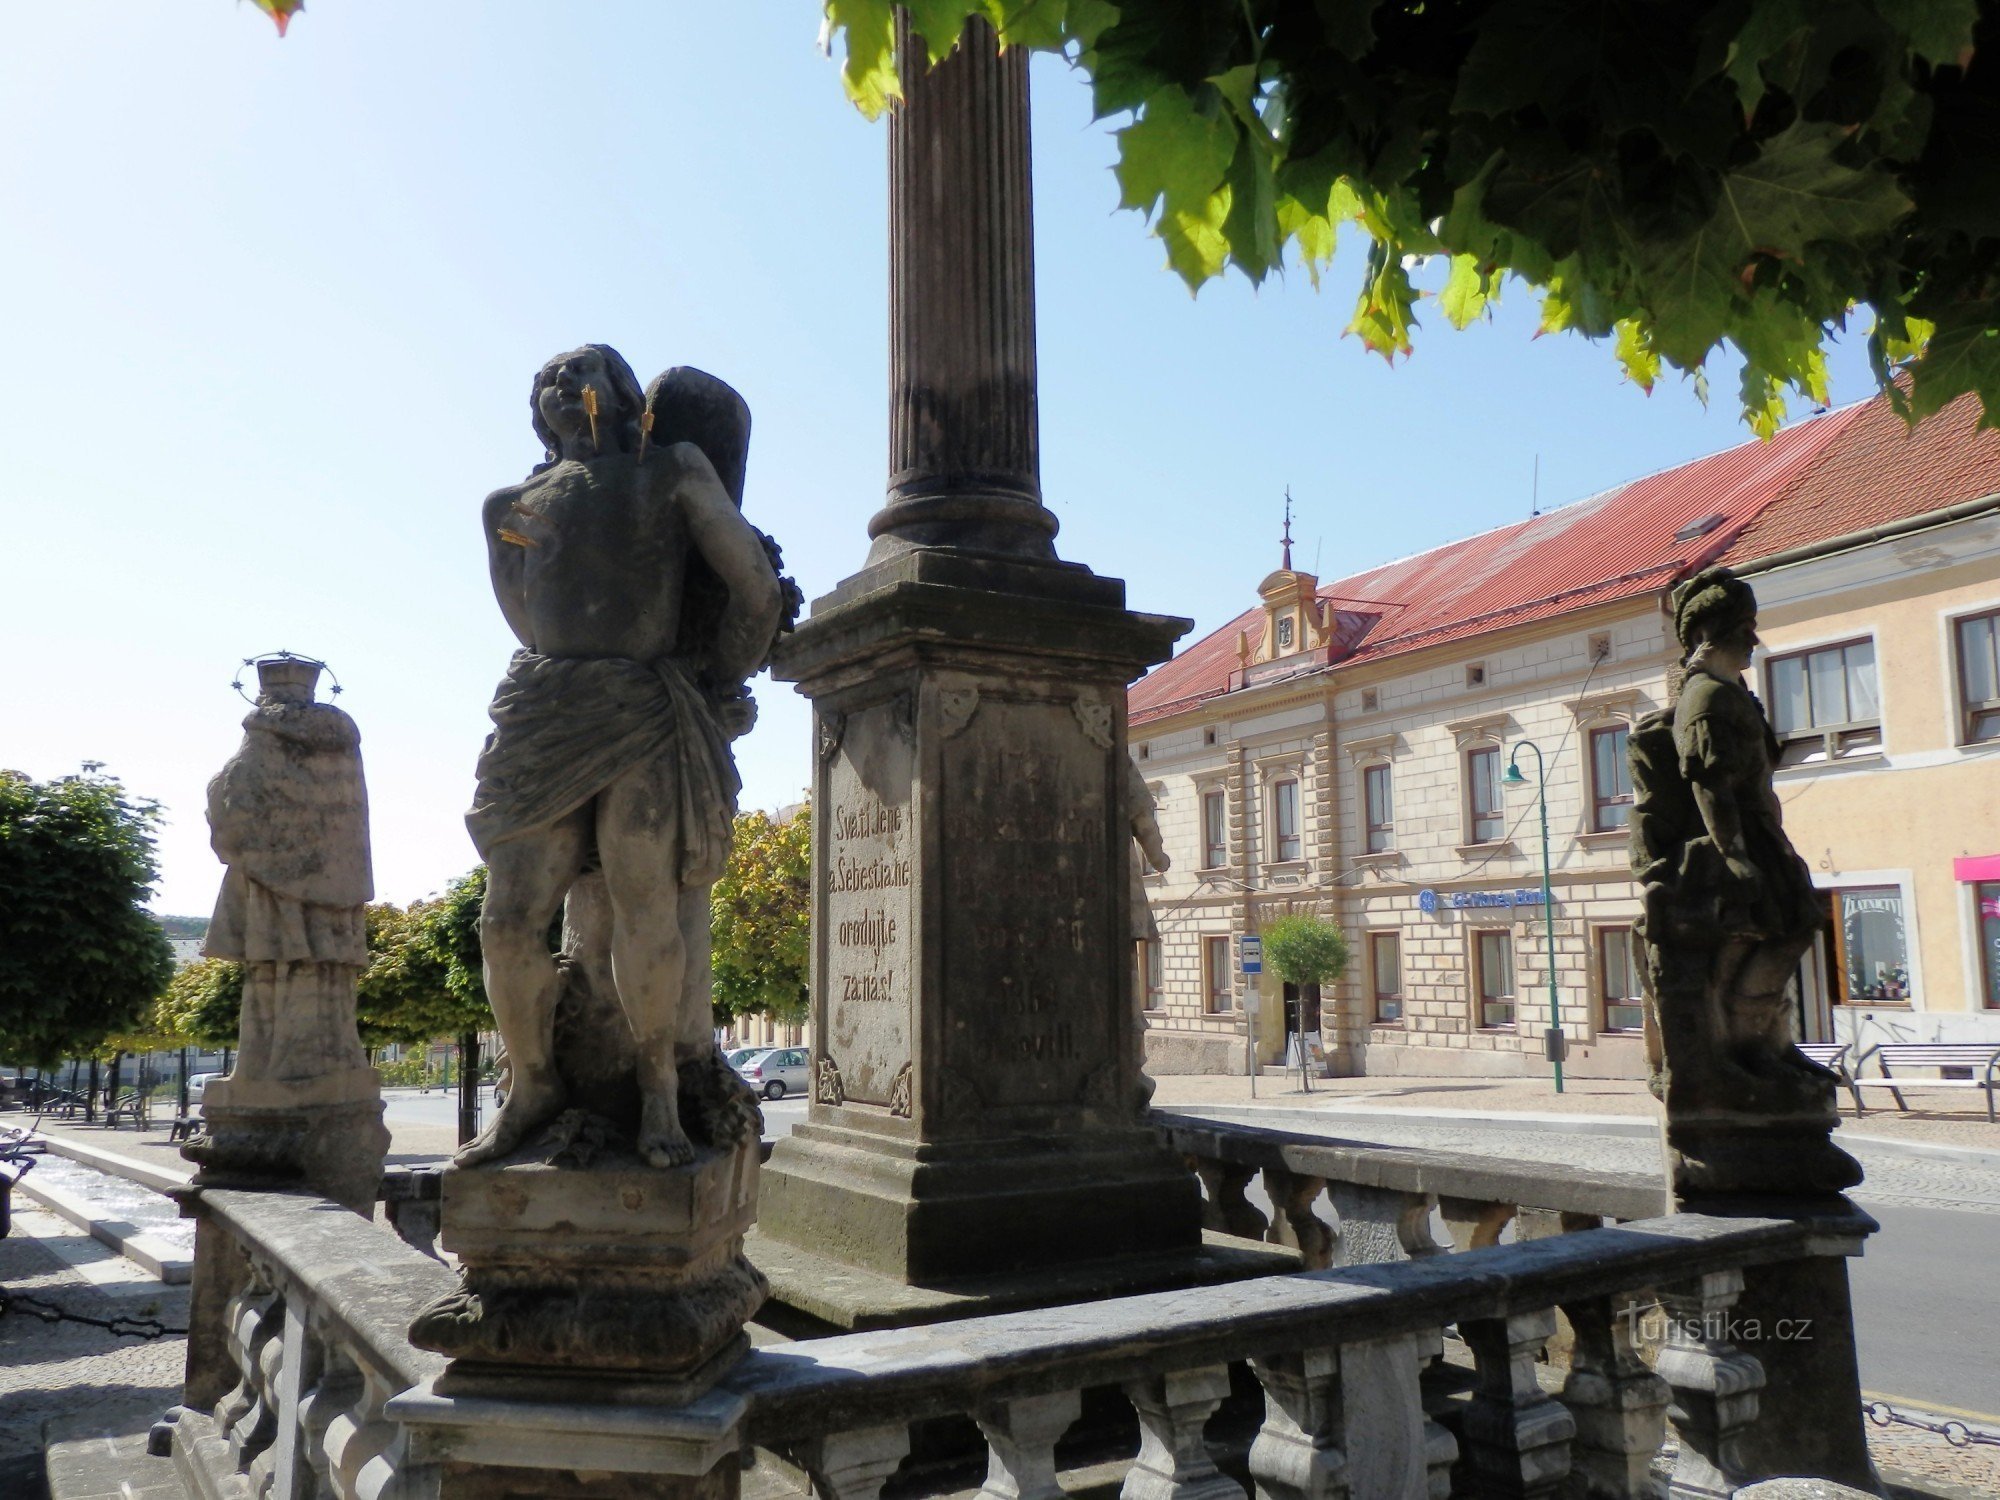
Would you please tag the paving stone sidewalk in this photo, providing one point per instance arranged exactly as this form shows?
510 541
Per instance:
1945 1117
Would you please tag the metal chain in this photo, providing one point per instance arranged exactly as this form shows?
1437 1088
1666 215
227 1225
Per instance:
1953 1431
49 1312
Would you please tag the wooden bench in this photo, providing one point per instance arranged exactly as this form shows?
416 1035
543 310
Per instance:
1982 1057
129 1106
1833 1057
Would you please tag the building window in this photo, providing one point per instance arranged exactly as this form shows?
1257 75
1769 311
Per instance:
1987 894
1475 675
1379 808
1619 981
1872 946
1371 699
1385 969
1208 735
1152 976
1214 831
1610 779
1493 958
1485 822
1145 750
1285 819
1979 678
1217 993
1824 703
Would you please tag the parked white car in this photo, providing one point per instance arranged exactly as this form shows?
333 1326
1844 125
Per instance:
775 1071
196 1083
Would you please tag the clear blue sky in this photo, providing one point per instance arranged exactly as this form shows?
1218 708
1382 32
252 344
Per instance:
270 310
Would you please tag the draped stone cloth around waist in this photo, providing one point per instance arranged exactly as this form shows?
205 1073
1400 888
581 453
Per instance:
565 728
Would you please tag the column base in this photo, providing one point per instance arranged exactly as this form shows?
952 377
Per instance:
324 1133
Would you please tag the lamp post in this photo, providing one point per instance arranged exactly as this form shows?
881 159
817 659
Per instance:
1552 1039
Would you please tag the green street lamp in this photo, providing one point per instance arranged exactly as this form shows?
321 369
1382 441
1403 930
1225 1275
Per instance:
1552 1039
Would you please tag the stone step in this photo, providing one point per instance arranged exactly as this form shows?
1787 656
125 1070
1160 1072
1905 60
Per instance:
84 1462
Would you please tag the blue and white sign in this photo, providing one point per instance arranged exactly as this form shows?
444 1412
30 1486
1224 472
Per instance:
1252 954
1429 902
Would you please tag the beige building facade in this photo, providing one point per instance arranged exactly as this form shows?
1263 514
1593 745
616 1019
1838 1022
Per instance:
1380 751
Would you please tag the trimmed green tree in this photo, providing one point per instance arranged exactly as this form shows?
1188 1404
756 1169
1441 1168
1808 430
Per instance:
81 959
1303 949
761 919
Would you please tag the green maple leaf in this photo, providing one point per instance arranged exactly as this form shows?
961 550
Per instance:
1197 245
868 72
1940 31
1029 23
1175 152
1634 349
940 23
1467 290
1385 313
1963 354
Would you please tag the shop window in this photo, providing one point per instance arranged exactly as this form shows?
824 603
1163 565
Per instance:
1485 819
1285 819
1871 946
1385 969
1610 779
1979 678
1493 961
1214 830
1825 703
1379 809
1618 981
1987 893
1219 997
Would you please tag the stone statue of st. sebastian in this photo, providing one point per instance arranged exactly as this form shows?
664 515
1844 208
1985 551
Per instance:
643 602
1729 911
288 816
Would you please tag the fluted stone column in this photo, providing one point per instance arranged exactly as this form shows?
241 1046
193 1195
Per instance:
964 463
976 1117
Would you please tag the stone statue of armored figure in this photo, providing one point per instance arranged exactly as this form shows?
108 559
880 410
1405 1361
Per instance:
1728 913
288 816
643 602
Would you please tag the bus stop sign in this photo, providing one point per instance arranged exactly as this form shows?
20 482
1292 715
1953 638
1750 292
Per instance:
1252 954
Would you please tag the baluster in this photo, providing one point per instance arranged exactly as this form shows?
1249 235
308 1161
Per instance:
1297 1452
853 1465
253 1421
1225 1205
1475 1224
1379 1225
1619 1404
1392 1448
1173 1461
338 1389
1021 1437
1517 1435
364 1448
1714 1386
1292 1195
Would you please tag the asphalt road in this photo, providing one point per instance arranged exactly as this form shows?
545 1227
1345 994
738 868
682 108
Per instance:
1922 1308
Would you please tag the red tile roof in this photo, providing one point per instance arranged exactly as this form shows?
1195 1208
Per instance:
1827 477
1881 471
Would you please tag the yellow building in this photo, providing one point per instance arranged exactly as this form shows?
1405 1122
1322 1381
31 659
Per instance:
1345 748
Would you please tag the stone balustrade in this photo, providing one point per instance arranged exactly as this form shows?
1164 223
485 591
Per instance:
1380 1199
329 1399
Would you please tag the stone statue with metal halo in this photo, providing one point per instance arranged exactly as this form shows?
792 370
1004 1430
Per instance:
288 817
1729 911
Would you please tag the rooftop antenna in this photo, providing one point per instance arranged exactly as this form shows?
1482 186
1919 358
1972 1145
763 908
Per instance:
1288 529
1535 490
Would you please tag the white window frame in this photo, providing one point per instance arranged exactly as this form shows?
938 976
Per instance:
1832 741
1367 820
1208 848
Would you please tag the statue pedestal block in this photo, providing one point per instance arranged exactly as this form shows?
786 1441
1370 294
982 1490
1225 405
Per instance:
606 1276
325 1133
976 1106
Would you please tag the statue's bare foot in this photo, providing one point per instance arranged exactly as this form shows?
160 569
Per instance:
531 1104
662 1142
